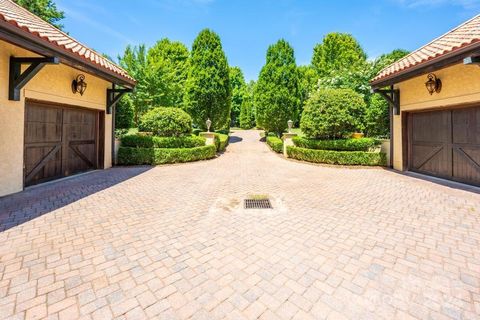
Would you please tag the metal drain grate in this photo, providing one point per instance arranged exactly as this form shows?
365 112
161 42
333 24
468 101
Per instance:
257 204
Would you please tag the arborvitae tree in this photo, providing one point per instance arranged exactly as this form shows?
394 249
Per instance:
276 95
237 82
45 9
247 116
169 62
207 89
337 52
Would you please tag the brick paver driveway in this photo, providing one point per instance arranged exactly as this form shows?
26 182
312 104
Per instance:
173 242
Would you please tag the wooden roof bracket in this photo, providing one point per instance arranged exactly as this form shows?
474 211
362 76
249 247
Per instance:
114 95
392 96
18 79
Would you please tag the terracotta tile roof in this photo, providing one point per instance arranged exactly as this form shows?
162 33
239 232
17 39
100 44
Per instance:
462 36
23 19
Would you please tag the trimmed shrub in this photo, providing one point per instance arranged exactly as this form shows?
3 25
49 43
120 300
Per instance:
363 144
166 122
143 141
275 143
332 113
139 156
221 141
338 157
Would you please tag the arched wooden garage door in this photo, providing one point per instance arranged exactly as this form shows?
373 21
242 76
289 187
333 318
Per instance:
446 144
59 141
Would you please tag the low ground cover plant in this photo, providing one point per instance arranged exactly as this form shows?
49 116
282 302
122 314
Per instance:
337 157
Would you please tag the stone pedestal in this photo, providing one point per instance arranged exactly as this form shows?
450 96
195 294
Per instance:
210 136
287 141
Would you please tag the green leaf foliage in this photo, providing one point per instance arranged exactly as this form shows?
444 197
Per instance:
124 114
168 61
362 144
247 111
238 85
221 141
276 95
275 143
166 122
338 157
338 51
45 9
145 141
333 113
207 90
377 118
154 156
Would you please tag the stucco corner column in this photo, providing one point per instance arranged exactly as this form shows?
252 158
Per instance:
210 136
287 142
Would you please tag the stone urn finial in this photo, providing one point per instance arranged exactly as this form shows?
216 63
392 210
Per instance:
290 125
208 123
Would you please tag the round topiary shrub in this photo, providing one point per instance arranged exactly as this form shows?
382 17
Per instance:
332 113
166 122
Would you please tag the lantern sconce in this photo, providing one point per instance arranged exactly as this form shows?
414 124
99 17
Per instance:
79 85
433 84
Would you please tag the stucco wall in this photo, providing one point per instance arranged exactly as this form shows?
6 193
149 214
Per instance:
460 85
52 84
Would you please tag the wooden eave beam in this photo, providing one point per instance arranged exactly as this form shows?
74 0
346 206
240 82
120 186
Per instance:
113 97
18 79
392 96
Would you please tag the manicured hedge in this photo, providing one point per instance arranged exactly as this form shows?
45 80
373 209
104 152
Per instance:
221 141
143 141
275 143
138 156
166 122
338 157
363 144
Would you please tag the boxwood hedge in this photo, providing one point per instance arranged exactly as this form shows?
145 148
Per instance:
275 143
363 144
221 141
143 141
138 156
338 157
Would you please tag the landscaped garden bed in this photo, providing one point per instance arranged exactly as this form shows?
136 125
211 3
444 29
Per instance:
275 143
165 137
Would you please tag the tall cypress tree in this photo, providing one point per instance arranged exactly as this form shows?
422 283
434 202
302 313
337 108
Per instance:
277 95
207 89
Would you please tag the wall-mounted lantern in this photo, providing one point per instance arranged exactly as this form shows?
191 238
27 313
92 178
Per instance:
79 85
433 84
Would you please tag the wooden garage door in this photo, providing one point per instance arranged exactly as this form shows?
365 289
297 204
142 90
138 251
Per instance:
59 142
446 144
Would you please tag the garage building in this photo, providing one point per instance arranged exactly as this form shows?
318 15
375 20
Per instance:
434 96
57 102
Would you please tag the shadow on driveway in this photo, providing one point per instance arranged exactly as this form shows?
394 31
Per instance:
35 201
234 139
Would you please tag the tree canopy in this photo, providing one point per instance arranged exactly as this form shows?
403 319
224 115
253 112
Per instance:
168 61
45 9
338 51
207 89
277 96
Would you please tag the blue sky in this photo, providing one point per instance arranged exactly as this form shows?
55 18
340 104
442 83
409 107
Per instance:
248 27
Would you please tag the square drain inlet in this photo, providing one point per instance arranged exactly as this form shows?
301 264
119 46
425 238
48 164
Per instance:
257 204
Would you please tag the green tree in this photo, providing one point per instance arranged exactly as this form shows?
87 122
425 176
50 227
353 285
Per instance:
247 112
338 51
207 89
168 61
307 81
276 95
45 9
147 91
124 113
237 83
